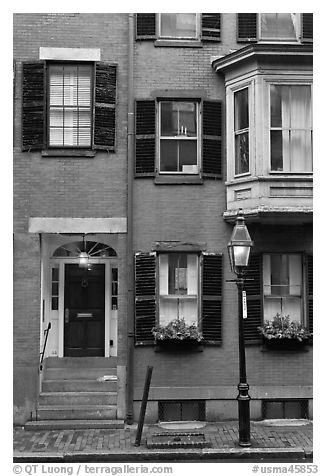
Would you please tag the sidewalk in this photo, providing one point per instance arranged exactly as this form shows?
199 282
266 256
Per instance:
269 442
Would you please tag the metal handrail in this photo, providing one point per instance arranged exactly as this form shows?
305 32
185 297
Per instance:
46 333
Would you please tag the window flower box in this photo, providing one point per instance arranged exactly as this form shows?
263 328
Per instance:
283 334
177 335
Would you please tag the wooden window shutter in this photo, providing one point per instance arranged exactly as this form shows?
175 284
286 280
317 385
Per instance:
310 277
247 27
105 106
212 275
307 27
212 139
145 293
211 26
145 26
253 288
33 106
145 138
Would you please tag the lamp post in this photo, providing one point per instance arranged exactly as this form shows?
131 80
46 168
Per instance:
239 253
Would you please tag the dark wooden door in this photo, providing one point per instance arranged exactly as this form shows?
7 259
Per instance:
84 311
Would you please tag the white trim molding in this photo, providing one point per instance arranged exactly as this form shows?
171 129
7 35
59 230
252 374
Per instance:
70 54
77 225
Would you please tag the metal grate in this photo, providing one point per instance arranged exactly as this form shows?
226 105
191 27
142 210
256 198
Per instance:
276 409
182 410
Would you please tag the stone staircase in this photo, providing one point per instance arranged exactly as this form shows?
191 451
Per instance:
72 397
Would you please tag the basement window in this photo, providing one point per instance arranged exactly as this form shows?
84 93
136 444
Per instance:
281 409
181 410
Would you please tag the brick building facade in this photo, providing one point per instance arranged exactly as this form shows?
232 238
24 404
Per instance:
192 116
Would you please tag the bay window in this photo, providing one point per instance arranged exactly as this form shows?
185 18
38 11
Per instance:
290 128
241 131
282 285
70 105
178 137
178 287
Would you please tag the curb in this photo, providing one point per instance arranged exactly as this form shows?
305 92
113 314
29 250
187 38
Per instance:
161 455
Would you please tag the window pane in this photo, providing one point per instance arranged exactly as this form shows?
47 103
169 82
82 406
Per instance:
187 119
242 153
188 156
277 150
55 274
278 25
169 156
56 117
178 118
280 275
169 118
301 151
276 106
178 25
300 107
241 111
56 137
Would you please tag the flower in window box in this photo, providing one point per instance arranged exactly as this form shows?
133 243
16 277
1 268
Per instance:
282 332
177 331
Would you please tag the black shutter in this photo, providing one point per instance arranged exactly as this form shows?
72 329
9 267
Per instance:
105 106
145 26
145 292
212 298
211 26
247 27
307 27
145 138
33 107
310 283
253 287
212 139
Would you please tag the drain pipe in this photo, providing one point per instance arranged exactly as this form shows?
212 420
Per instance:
130 254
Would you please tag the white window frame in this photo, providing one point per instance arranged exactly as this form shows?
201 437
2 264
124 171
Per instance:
266 277
282 40
231 90
172 37
267 102
90 108
180 137
163 286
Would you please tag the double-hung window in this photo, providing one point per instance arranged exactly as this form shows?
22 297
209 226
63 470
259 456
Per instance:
70 105
290 128
279 26
282 284
275 27
241 131
178 25
178 144
178 287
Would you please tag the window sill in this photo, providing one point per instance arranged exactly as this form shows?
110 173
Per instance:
178 43
178 180
68 153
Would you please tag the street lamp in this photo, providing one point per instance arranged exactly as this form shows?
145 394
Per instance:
239 252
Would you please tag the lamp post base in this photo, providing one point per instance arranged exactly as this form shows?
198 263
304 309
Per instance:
244 414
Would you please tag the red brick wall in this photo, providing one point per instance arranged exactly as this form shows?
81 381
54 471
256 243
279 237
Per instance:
193 213
84 187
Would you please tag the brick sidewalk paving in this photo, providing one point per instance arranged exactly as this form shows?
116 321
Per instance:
222 436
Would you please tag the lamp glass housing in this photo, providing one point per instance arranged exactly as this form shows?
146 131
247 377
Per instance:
83 260
240 246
